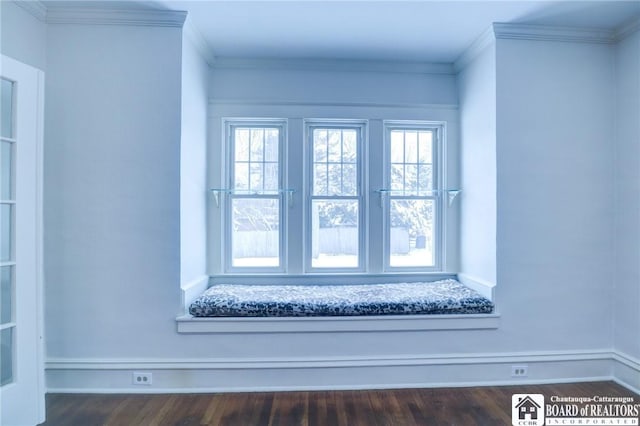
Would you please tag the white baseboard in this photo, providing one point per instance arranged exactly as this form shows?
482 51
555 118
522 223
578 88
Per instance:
626 371
224 375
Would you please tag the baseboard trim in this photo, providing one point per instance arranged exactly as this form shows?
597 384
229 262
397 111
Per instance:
302 374
426 385
627 360
626 385
626 371
325 362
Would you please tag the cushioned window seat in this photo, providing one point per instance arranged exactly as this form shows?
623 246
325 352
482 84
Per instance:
446 297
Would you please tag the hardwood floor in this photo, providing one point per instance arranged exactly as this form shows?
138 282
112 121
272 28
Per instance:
444 406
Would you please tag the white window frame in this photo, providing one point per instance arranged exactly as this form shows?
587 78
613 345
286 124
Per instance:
439 195
295 204
228 193
361 127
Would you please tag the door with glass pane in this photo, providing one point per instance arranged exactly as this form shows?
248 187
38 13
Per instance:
21 367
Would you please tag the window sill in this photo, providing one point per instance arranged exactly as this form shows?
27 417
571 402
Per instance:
330 277
189 324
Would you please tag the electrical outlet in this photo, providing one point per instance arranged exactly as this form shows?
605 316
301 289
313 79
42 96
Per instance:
519 370
142 378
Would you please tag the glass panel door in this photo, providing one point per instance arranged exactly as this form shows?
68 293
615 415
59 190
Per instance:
21 350
7 234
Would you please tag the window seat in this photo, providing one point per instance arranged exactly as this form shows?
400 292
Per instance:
446 297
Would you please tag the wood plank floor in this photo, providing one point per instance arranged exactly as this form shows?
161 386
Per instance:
489 406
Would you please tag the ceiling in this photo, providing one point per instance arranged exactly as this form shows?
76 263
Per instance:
422 31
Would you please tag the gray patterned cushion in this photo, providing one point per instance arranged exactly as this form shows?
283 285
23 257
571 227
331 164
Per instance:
238 300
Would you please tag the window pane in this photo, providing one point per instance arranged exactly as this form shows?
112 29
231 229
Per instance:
271 137
6 294
242 145
397 146
320 179
6 356
425 147
319 145
349 146
6 164
335 234
6 213
335 146
335 179
425 180
255 177
241 175
255 238
410 168
257 144
397 177
412 237
349 180
6 108
411 147
256 159
335 162
411 178
271 176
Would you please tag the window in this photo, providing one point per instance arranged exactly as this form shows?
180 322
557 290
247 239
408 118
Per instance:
254 214
413 196
335 199
302 196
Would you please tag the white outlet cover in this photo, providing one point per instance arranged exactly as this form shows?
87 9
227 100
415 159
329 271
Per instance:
519 370
142 378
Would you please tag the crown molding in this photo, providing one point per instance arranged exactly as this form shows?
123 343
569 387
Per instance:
34 7
552 33
102 16
626 30
486 39
196 38
343 65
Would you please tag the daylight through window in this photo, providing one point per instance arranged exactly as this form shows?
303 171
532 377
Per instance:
412 202
339 201
335 197
255 201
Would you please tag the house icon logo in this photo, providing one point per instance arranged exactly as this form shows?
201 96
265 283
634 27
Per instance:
527 409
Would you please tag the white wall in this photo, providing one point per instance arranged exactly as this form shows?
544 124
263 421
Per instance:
193 163
626 288
554 109
298 89
112 220
23 36
335 84
112 189
554 192
477 92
